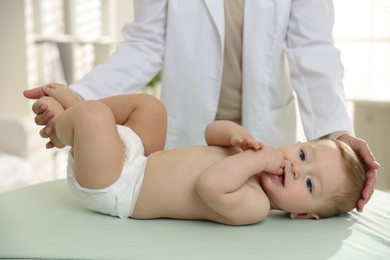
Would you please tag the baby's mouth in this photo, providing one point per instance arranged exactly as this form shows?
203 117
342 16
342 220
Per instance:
279 179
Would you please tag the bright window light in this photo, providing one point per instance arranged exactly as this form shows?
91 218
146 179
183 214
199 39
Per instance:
362 34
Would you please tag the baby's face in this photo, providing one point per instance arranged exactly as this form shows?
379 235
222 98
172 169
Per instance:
313 174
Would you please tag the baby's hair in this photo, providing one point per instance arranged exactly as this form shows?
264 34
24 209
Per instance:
345 200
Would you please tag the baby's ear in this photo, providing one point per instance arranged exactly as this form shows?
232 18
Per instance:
304 215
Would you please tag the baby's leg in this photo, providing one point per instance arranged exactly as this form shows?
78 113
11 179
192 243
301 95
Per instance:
145 115
90 128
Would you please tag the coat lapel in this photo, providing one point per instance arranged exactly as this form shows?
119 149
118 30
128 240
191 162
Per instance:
216 10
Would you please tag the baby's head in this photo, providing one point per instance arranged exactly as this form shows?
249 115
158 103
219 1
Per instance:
321 178
346 198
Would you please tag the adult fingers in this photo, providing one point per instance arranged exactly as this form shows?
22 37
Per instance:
44 118
45 132
364 152
38 107
368 189
49 145
34 93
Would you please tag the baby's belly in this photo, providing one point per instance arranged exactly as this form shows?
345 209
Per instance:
169 187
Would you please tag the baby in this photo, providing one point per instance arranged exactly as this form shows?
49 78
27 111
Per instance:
117 165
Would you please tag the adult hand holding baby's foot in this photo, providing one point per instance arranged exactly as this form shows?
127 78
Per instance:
49 130
63 94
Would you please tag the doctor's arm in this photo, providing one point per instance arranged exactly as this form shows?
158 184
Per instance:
137 59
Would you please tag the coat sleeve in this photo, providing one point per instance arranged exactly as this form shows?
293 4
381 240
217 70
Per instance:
136 60
316 69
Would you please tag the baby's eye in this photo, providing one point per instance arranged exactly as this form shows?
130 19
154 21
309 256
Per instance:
302 155
309 185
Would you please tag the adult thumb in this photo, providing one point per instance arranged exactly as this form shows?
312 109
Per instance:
34 93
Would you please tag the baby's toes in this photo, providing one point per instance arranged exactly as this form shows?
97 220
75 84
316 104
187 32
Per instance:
63 94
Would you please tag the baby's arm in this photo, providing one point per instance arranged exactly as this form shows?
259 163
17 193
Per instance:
224 187
228 133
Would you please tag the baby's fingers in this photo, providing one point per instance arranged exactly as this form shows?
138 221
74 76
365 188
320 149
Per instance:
250 143
44 117
253 145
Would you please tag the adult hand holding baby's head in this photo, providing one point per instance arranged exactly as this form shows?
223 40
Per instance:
363 151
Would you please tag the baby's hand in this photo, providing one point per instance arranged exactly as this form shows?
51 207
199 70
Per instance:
246 142
275 160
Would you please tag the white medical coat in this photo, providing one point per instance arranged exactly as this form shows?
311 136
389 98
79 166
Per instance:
285 43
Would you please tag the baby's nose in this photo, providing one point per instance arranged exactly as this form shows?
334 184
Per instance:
296 169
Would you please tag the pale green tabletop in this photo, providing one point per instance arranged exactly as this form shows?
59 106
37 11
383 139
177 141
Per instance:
46 222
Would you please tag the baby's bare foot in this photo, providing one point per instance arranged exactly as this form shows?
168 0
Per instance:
63 94
54 106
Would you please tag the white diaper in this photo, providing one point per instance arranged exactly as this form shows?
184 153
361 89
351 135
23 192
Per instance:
118 199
